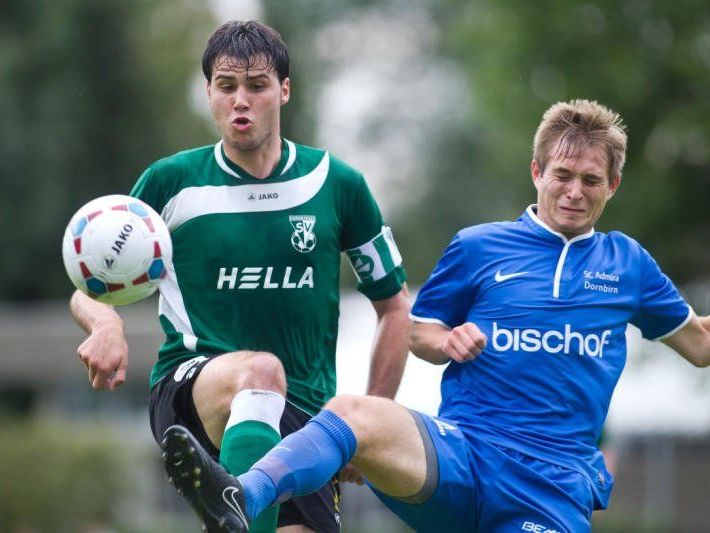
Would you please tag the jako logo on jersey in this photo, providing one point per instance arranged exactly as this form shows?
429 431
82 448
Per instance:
264 277
537 528
552 341
303 239
263 196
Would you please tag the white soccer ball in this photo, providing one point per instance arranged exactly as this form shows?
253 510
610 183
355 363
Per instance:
117 249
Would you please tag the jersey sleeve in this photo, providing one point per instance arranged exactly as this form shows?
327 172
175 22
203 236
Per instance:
662 310
448 294
147 188
370 245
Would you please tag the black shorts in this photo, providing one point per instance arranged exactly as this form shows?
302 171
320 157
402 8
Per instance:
171 403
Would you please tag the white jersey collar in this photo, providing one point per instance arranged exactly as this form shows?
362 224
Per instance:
532 213
289 146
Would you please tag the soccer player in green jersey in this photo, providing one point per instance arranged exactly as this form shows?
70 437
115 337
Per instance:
250 306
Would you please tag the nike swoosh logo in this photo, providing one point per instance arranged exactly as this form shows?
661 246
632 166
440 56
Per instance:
231 500
504 277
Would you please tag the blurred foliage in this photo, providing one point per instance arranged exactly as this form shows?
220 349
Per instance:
46 483
93 92
650 61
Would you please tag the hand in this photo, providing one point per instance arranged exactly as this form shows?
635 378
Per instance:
105 355
464 342
350 474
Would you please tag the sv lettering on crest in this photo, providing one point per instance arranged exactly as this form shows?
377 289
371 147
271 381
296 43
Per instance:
303 238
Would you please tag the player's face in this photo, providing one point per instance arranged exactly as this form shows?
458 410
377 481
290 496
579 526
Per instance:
246 104
572 191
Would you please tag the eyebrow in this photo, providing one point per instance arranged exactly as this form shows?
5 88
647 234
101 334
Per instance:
231 76
593 176
563 170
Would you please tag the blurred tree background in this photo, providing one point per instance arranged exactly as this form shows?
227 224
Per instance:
92 92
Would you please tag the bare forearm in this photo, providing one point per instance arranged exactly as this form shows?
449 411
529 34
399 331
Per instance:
90 314
389 356
389 350
693 341
705 322
105 351
426 341
438 344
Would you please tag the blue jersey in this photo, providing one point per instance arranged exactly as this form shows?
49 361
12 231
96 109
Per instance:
555 312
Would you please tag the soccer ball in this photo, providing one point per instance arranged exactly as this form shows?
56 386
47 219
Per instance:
117 249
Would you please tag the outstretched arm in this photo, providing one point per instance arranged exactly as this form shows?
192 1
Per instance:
692 341
105 351
437 344
389 351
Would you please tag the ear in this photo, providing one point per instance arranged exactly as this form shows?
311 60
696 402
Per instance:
209 90
613 185
535 171
285 91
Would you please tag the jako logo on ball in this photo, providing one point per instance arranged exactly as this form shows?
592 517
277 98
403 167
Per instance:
121 239
117 249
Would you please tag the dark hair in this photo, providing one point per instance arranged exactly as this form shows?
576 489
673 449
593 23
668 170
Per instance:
247 43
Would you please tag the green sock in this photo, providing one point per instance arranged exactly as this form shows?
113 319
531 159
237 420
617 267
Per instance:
243 444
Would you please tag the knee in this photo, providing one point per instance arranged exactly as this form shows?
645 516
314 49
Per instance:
261 370
351 408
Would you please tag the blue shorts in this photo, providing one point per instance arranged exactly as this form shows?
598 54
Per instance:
473 485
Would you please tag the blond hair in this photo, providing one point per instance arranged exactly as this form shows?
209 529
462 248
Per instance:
568 127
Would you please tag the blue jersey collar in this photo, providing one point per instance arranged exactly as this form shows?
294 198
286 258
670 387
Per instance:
543 230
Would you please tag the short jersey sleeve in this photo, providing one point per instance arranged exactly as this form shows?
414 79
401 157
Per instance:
662 310
369 244
448 294
147 188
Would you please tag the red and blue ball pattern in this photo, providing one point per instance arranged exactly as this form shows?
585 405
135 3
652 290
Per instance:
95 285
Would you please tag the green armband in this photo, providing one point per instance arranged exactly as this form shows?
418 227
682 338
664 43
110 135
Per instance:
376 258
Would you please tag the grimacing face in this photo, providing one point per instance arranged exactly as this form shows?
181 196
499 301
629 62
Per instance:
573 190
246 104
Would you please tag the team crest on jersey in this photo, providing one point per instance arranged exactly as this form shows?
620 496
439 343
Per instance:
303 239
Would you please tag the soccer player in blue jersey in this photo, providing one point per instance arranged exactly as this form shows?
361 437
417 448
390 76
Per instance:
530 317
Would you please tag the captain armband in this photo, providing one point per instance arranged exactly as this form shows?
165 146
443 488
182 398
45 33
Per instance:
376 258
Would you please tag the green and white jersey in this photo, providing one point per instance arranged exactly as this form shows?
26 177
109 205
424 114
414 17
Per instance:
256 262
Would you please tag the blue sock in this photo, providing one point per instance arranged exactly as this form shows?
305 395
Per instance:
300 464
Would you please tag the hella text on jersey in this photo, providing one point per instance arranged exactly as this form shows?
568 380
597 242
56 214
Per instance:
264 277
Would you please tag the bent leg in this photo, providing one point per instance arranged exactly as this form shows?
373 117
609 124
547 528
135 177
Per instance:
224 377
381 435
390 452
240 398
